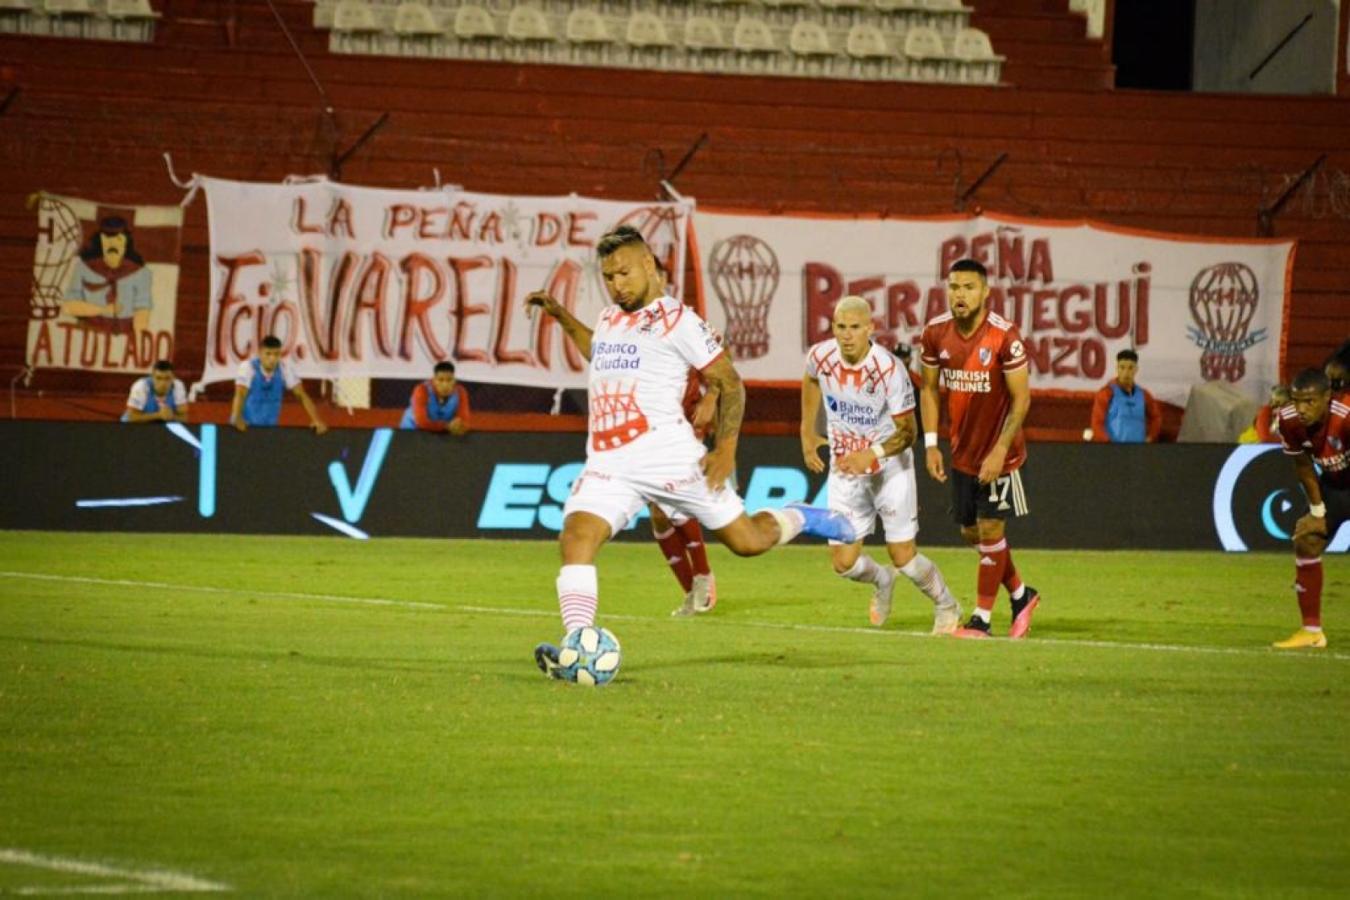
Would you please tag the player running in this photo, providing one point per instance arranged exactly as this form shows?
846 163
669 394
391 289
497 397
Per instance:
869 403
981 360
641 448
1315 430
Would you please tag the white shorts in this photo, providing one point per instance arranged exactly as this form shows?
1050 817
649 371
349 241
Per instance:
890 493
616 489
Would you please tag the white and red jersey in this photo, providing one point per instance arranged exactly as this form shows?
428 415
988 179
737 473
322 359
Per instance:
1327 442
640 363
972 370
862 399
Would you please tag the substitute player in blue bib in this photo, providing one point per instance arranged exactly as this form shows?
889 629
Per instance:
158 397
439 404
260 386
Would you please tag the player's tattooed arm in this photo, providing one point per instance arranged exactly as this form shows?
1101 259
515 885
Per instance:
1019 389
722 377
906 431
571 325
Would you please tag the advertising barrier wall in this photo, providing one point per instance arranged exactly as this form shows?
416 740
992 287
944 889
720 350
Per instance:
383 483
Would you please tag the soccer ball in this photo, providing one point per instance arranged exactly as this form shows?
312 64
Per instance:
589 655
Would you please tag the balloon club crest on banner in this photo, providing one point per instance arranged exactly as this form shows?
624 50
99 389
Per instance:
744 272
1224 300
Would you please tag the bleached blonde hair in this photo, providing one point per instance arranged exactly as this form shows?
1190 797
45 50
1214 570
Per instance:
853 303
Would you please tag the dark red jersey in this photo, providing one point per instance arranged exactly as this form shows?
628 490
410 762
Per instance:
1325 442
978 397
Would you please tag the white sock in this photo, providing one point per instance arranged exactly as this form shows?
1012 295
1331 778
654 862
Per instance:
578 596
1020 592
790 523
983 615
1313 628
927 577
865 570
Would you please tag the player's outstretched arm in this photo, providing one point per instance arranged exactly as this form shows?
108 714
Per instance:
571 325
928 403
237 408
720 462
812 440
315 420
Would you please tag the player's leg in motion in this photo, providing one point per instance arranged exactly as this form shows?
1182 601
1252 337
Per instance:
1308 547
704 589
749 535
582 536
852 563
672 547
927 577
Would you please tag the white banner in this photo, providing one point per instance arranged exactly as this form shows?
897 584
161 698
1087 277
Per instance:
384 283
1196 308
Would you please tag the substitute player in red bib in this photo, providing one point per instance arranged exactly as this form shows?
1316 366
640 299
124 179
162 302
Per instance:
980 358
641 447
1315 430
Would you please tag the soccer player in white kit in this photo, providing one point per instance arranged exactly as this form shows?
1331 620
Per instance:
869 403
641 447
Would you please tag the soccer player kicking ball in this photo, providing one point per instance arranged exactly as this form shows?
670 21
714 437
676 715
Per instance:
980 357
641 448
1315 430
870 414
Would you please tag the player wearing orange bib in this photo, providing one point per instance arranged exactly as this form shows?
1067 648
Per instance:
980 358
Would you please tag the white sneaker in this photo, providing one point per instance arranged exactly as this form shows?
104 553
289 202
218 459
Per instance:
880 609
703 593
947 616
686 608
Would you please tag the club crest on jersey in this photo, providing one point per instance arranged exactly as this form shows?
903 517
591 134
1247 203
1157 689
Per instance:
985 356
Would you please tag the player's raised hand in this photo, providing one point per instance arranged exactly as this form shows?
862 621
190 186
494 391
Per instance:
933 459
811 444
537 300
718 464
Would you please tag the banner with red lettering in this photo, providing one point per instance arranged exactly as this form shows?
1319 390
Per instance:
1196 308
105 285
381 283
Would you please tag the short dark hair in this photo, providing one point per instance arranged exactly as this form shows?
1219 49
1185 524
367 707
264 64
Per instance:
1310 379
1127 354
622 236
162 365
272 342
970 265
443 366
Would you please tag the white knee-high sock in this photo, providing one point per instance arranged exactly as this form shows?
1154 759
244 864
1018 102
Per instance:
927 577
790 523
865 570
578 596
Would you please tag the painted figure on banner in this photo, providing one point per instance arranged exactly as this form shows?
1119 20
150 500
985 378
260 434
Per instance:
105 281
111 287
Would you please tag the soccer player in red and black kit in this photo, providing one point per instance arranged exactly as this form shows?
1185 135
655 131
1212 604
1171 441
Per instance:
1315 429
981 360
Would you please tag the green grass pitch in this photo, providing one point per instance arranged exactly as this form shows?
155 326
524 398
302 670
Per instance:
244 710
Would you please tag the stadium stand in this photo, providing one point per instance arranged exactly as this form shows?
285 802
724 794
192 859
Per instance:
220 89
